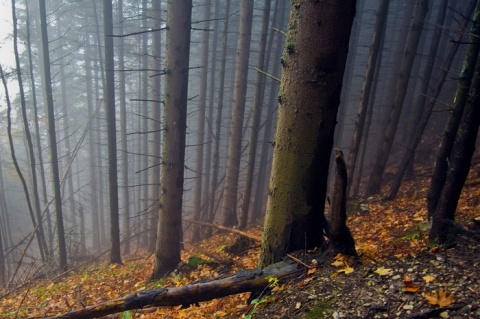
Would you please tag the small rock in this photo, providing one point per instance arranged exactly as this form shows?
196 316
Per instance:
444 315
408 307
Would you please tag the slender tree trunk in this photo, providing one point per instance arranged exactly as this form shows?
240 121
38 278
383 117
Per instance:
30 150
375 51
197 201
123 133
309 98
427 111
95 229
218 124
229 209
52 138
442 159
257 114
169 231
460 160
38 137
383 152
115 255
155 107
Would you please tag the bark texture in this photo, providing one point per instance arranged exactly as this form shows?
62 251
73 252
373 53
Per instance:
169 229
309 97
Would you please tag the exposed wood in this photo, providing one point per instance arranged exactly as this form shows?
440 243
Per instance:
242 281
230 230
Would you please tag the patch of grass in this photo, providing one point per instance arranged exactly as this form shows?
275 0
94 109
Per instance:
318 310
195 261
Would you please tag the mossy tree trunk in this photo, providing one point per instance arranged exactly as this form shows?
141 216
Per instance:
309 97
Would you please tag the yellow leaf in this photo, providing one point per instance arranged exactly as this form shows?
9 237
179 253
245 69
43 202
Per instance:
383 271
338 263
428 278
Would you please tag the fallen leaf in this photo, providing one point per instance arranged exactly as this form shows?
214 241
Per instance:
383 271
311 271
409 285
441 299
428 278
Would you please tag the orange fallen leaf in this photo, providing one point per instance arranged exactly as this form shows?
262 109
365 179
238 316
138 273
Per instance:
409 285
441 299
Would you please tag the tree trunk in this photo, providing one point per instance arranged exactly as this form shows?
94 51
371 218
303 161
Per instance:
155 106
243 281
460 160
52 139
383 152
261 190
218 123
229 209
197 205
94 208
309 98
115 255
441 166
169 231
375 51
257 114
37 133
123 133
422 123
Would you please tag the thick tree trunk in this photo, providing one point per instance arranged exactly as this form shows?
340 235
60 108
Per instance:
441 165
309 98
229 209
169 230
383 152
115 255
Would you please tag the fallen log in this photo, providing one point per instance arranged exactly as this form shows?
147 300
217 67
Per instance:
242 281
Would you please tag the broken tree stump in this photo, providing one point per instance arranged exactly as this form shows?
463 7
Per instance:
341 240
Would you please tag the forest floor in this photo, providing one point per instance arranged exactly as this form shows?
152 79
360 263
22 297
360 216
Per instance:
397 276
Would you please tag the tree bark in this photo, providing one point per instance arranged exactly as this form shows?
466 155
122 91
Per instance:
169 230
375 51
309 98
115 254
341 240
52 138
383 152
197 204
461 157
257 113
229 209
242 281
442 159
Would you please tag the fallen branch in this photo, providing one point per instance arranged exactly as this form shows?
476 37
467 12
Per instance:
243 281
230 230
